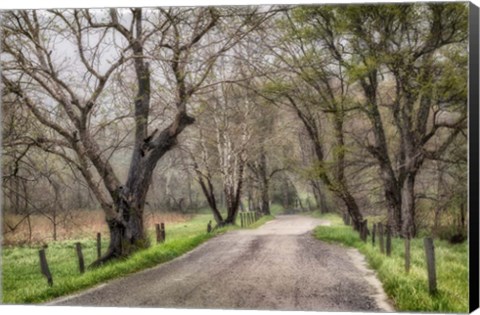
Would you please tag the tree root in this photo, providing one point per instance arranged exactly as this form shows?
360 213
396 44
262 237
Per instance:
109 256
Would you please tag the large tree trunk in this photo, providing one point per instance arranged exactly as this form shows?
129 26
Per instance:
209 193
408 206
265 184
265 207
233 194
126 235
393 199
319 195
353 209
379 150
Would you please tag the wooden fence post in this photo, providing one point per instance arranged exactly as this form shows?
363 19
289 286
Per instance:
407 255
99 245
430 255
389 241
374 231
380 237
209 226
81 263
162 227
159 233
363 230
44 266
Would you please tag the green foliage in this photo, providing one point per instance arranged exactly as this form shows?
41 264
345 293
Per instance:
276 89
276 209
409 292
23 282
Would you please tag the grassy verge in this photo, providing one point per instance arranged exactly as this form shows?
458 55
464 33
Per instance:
23 282
261 221
409 292
277 209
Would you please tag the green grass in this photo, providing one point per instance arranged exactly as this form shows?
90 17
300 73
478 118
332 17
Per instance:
23 282
409 292
264 219
276 209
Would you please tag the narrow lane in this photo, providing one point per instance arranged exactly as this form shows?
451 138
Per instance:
279 266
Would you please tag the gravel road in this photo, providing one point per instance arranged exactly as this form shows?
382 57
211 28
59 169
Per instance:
279 266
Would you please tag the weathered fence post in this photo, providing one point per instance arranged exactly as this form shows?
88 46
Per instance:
209 226
363 230
365 226
81 263
99 245
374 231
407 254
44 267
389 241
430 255
159 233
380 237
162 227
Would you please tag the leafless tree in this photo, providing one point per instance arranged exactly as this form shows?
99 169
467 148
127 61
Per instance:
166 47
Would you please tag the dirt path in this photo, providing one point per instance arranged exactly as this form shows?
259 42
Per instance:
278 266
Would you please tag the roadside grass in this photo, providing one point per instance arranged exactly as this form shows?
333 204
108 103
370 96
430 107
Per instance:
409 292
23 282
264 219
276 209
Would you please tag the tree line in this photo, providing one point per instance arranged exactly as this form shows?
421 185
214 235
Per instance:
360 108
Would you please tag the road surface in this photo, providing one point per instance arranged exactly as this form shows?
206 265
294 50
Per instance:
279 266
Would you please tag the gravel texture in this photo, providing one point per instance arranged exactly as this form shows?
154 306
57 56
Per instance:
279 266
